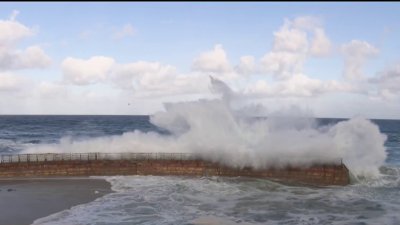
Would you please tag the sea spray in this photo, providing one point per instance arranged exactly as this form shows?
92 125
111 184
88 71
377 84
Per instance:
361 145
213 130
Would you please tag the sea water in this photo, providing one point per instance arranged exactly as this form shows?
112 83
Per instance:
209 200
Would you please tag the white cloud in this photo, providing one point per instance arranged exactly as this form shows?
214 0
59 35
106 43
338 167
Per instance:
290 39
387 94
151 79
320 45
147 74
179 84
356 53
84 72
11 32
387 82
247 65
293 44
141 78
11 82
298 85
52 90
31 57
306 22
212 61
282 64
126 31
389 78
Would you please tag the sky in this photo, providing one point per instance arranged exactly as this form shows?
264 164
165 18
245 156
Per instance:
334 59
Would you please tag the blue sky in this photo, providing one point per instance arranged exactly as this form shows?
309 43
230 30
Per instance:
156 52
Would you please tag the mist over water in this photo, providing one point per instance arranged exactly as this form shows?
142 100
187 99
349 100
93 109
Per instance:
215 130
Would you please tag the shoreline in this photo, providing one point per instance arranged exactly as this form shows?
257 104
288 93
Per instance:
22 201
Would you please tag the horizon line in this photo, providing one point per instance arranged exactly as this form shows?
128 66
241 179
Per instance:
339 118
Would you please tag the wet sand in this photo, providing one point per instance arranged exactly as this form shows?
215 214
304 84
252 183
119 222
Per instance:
25 200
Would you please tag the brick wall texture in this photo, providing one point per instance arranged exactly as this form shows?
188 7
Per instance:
320 175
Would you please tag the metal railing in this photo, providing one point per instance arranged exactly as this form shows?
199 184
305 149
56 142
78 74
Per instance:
44 157
91 156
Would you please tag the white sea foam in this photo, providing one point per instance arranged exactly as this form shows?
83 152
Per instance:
176 200
214 130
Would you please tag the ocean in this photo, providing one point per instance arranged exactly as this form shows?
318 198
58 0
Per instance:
208 200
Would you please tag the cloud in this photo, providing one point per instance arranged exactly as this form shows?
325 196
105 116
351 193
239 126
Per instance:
298 85
147 74
151 79
282 64
212 61
387 82
31 57
126 31
11 82
356 54
247 65
51 90
290 38
11 32
84 72
306 22
143 78
296 40
320 45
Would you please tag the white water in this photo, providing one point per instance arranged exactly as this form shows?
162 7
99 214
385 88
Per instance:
153 200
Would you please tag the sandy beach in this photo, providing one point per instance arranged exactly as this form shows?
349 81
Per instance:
24 200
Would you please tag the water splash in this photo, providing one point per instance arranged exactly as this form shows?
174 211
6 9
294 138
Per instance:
215 131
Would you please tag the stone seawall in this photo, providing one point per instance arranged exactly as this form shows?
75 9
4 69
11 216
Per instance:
320 175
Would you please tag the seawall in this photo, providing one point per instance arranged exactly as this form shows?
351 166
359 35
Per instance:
101 164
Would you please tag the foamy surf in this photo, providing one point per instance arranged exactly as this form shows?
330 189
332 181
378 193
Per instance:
179 200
